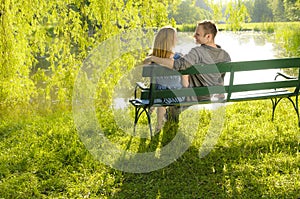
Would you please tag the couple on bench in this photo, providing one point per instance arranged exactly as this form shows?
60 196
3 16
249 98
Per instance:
207 52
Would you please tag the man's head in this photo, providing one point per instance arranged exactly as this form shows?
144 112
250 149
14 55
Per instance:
205 33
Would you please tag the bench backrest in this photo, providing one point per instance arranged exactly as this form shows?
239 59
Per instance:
230 68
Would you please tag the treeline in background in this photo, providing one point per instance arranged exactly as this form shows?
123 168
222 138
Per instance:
189 11
236 12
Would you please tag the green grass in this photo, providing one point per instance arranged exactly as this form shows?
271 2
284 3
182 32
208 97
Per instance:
43 157
269 27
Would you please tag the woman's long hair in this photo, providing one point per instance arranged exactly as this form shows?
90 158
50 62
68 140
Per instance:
164 42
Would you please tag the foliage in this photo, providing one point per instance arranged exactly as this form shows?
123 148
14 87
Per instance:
189 12
269 27
217 14
43 157
15 55
288 36
273 10
258 10
43 43
292 10
277 7
236 14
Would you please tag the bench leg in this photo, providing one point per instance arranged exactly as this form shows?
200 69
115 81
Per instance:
136 118
297 110
275 102
149 120
138 113
295 104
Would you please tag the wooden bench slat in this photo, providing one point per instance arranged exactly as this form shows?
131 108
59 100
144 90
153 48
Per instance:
196 91
157 70
264 86
265 64
257 96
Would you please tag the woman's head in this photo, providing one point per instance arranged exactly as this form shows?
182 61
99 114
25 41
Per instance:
164 42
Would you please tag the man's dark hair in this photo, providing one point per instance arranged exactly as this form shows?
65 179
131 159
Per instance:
209 27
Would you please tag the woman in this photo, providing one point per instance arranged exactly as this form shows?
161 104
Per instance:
163 46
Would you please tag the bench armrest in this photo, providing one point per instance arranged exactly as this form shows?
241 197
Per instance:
139 85
284 76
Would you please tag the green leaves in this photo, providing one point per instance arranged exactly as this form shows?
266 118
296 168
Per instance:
47 41
236 15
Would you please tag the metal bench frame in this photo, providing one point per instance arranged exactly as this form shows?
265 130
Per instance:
275 90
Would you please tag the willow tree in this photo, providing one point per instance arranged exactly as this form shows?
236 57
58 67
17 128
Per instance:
43 43
15 57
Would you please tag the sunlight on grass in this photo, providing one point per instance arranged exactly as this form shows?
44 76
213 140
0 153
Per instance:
43 157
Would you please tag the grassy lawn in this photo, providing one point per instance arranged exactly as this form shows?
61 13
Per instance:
43 157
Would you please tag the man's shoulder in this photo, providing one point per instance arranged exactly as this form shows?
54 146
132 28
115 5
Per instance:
199 48
206 48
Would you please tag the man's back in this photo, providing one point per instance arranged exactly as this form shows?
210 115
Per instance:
203 55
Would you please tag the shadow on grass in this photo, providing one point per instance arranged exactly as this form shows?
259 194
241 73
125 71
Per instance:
161 138
239 171
45 158
7 129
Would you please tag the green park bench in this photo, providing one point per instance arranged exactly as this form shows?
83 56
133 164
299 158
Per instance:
285 87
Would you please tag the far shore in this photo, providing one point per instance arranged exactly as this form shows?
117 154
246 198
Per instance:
262 26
